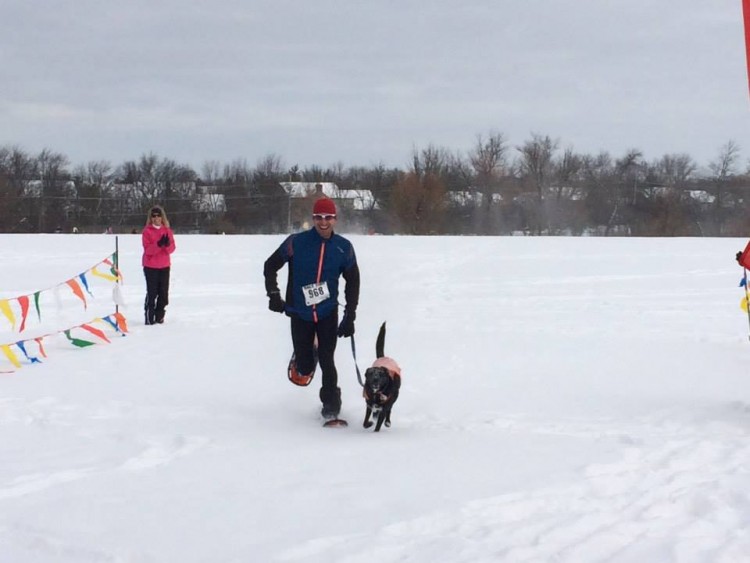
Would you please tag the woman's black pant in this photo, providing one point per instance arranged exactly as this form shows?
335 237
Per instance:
157 294
303 338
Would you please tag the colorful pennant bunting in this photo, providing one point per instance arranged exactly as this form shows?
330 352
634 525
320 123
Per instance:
115 321
76 284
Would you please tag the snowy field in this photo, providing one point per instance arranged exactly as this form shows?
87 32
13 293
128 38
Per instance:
565 400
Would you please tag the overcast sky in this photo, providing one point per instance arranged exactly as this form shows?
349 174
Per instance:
324 81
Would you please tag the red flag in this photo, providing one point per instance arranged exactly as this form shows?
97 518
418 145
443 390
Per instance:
95 332
24 301
744 258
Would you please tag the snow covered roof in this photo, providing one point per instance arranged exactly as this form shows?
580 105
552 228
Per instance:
360 200
306 189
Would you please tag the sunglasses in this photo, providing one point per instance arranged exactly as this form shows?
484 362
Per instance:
322 217
156 215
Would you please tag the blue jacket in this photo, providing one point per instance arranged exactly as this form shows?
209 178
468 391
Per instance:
313 260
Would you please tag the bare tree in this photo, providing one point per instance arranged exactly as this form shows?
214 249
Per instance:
431 160
536 167
489 162
723 168
418 203
18 168
53 175
566 193
676 170
93 201
624 189
597 176
270 204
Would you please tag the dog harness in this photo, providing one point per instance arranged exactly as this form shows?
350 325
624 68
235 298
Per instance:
394 372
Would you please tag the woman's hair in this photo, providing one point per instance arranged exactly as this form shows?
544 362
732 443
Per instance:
160 210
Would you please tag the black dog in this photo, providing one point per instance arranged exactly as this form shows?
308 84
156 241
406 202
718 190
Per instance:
382 384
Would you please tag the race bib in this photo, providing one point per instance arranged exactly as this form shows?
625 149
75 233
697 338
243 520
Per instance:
315 293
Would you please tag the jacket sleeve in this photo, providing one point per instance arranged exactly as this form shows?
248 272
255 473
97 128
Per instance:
172 244
351 291
274 263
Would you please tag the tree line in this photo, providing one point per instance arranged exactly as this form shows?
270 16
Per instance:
535 188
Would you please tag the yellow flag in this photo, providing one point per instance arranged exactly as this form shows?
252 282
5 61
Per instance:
107 277
8 312
743 304
10 355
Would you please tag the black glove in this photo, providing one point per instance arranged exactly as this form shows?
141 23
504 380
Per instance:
163 241
738 256
346 328
275 302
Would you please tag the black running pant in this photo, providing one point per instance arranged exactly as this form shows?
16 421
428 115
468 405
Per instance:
303 338
157 293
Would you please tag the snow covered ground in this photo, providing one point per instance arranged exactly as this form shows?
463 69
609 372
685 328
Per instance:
567 400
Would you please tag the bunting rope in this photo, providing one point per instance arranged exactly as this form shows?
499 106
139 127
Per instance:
33 348
77 284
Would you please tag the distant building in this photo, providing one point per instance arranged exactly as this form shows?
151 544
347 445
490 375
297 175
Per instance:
302 195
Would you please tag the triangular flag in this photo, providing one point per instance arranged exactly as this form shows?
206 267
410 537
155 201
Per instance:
82 277
95 332
121 322
32 359
24 301
77 290
743 304
8 312
113 324
77 341
36 304
95 272
10 355
41 346
113 266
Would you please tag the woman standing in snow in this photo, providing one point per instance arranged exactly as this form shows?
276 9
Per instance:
158 245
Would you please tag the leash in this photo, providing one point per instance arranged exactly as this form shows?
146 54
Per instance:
354 355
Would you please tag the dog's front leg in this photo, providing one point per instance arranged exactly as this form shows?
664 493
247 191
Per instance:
367 423
381 418
388 406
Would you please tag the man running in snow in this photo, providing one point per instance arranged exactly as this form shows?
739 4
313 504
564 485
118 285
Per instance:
316 258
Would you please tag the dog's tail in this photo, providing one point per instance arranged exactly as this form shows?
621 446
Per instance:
380 343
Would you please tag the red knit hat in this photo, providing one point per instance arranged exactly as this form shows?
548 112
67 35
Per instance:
324 206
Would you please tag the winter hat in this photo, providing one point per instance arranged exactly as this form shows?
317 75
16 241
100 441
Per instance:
324 206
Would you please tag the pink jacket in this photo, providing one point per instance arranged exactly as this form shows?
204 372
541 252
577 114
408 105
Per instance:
388 363
155 256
